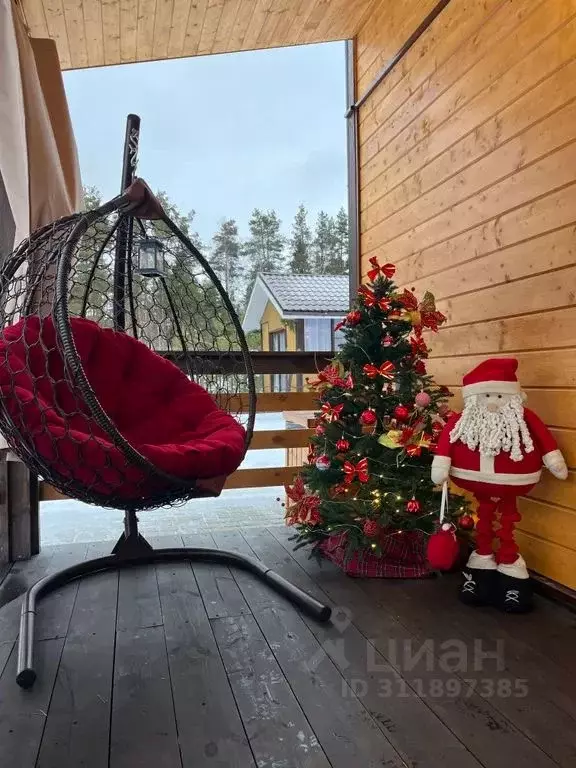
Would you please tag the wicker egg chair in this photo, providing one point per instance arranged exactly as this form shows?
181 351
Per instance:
125 379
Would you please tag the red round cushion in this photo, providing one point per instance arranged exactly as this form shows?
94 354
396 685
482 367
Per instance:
167 418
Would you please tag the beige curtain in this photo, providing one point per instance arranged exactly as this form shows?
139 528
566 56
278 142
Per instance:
38 158
39 173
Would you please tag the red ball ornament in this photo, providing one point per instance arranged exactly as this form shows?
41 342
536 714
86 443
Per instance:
466 522
437 427
422 399
320 429
354 317
413 506
323 463
402 413
368 417
387 340
342 445
371 528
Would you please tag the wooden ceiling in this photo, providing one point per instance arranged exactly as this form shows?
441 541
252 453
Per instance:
92 33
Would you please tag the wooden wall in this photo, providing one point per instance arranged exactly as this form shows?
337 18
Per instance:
468 184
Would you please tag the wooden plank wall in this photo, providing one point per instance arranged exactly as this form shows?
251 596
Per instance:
468 184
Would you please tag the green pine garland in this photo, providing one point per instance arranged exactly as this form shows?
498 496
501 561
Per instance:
321 502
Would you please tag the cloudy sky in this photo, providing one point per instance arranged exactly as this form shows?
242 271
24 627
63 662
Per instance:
222 134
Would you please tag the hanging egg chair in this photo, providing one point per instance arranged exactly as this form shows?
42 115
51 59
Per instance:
125 377
111 380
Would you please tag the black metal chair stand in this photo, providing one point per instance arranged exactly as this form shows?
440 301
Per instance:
133 549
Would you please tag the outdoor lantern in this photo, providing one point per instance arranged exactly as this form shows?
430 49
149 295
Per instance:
151 258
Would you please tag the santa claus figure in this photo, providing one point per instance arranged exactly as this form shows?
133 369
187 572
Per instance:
495 449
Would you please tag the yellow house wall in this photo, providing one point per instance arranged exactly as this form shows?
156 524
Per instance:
468 184
270 322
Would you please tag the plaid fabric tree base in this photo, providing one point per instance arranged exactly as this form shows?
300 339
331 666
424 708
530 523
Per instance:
401 556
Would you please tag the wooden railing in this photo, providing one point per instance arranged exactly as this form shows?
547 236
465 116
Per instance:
268 402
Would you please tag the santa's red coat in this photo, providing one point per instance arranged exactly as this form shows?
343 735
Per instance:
497 476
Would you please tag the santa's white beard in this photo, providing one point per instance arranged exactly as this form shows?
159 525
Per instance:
490 433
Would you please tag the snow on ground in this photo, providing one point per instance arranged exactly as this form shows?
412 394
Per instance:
62 522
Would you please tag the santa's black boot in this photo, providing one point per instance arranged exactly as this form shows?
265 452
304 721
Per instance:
514 587
480 579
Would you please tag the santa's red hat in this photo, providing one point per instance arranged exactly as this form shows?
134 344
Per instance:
495 375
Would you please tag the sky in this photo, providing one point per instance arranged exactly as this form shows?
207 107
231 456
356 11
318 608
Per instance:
221 134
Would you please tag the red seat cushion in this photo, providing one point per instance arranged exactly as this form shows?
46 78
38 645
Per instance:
167 418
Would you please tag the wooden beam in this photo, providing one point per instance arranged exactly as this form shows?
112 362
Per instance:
49 493
278 438
263 362
261 478
242 478
272 402
23 511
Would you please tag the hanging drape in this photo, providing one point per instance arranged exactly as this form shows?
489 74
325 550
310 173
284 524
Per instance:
39 173
38 159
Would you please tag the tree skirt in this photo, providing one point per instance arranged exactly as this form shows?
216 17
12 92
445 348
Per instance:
403 556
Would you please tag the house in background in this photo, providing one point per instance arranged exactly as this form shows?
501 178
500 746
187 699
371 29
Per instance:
296 313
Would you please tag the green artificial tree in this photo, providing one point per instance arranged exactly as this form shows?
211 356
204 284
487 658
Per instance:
367 482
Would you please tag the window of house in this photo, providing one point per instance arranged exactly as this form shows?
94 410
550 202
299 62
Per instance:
317 334
280 381
338 336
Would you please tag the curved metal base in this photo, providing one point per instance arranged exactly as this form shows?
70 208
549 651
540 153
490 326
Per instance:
143 554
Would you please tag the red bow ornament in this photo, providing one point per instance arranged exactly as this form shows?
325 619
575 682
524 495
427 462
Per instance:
370 299
360 471
387 270
386 370
423 315
305 508
328 376
413 450
418 346
331 412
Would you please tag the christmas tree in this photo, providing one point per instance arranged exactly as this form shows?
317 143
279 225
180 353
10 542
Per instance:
367 484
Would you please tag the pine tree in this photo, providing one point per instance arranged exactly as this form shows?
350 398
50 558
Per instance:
225 258
368 477
185 221
95 304
338 260
323 245
263 251
300 244
183 279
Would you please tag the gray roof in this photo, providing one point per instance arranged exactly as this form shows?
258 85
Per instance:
310 293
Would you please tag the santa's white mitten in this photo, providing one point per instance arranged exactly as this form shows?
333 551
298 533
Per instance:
555 463
440 469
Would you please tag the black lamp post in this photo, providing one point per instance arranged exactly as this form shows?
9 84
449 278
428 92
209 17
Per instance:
151 258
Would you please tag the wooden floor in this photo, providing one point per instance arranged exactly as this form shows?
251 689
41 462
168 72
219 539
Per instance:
197 666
